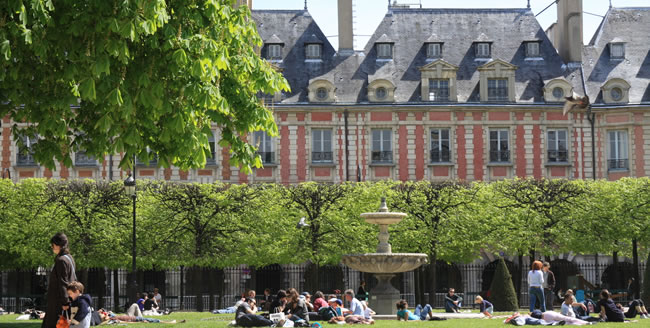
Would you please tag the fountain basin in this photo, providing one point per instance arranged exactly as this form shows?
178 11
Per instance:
383 218
385 262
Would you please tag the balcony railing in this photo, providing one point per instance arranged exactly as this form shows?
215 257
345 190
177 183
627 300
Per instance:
617 164
81 159
440 156
321 157
268 157
500 156
558 156
25 159
382 156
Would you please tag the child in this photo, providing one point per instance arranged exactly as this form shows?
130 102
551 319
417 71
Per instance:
367 311
420 313
335 306
485 307
80 305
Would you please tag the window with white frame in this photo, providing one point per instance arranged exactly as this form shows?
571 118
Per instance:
497 89
274 51
265 148
532 49
212 160
438 89
321 149
382 148
483 50
557 146
434 50
384 50
499 146
313 51
440 149
617 50
25 156
618 154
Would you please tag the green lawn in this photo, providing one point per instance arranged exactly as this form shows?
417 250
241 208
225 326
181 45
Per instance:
207 320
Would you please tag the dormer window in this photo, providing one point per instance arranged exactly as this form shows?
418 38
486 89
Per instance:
617 51
483 50
532 49
385 50
434 50
313 51
274 52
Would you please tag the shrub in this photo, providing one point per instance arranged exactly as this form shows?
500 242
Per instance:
502 291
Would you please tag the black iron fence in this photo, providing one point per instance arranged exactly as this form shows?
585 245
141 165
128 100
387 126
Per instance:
201 289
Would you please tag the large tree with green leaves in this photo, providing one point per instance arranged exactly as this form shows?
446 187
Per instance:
435 223
141 77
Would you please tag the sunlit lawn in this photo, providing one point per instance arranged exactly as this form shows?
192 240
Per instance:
205 319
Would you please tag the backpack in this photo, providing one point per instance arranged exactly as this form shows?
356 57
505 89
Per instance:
326 313
95 319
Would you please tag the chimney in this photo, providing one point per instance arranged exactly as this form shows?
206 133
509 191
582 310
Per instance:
568 31
346 39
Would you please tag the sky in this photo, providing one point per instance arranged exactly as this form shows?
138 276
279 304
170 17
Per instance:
368 13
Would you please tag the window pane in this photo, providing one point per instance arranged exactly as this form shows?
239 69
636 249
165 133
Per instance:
376 140
386 140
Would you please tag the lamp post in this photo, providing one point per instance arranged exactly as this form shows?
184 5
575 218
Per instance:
129 187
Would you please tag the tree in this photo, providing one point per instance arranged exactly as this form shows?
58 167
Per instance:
145 78
328 234
646 282
431 207
502 291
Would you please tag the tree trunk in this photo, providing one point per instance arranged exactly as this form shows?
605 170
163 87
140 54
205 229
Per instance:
102 288
418 286
182 291
615 271
116 291
635 265
518 280
432 279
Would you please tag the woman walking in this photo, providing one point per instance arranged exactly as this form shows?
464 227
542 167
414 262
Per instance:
535 282
62 274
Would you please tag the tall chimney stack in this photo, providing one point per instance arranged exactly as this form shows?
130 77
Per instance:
568 34
346 39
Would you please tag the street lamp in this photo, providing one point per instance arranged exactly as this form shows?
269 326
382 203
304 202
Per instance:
129 187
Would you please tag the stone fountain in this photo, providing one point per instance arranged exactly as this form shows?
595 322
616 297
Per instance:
384 264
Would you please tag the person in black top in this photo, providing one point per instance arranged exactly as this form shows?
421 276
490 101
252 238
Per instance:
245 315
362 294
279 302
549 285
453 302
608 310
150 304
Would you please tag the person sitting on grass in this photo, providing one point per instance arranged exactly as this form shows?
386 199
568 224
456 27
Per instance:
608 310
111 318
80 305
367 311
580 309
334 313
567 309
319 301
279 302
453 302
634 307
151 306
485 307
421 313
246 317
296 309
355 305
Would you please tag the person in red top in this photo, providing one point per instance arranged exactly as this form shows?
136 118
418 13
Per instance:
319 301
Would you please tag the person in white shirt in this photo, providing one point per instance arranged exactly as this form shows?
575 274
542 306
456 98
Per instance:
355 305
535 290
157 297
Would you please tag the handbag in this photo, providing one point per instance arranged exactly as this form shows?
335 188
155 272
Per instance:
63 321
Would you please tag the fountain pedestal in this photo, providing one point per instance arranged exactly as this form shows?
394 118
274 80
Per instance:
384 264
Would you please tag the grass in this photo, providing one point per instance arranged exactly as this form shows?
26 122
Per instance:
207 320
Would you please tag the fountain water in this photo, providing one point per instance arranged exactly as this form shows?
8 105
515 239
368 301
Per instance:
384 264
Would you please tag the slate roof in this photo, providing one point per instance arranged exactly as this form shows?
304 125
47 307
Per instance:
629 25
295 29
409 30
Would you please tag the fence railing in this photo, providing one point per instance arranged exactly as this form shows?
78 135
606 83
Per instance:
20 290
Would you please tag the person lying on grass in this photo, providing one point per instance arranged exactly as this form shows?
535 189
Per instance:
421 313
110 318
485 307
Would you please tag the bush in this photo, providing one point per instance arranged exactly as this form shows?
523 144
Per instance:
502 291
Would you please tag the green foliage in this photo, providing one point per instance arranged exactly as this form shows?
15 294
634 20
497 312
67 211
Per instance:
145 78
502 292
645 292
220 225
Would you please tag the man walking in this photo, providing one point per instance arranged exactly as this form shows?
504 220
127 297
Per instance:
549 286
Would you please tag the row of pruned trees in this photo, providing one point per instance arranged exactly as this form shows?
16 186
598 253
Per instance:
220 225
